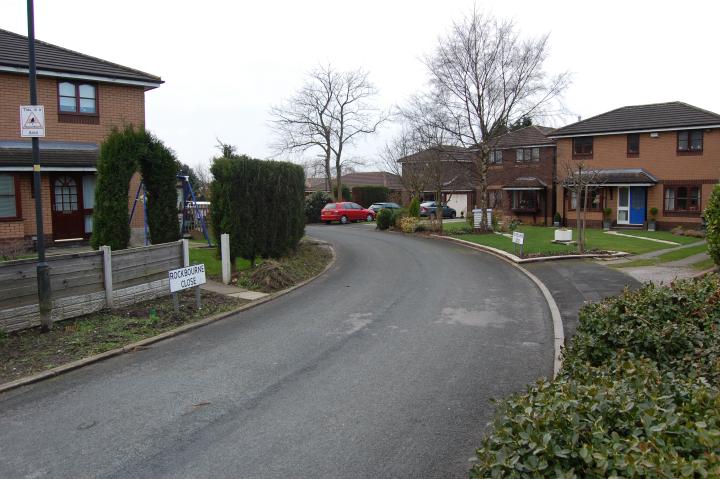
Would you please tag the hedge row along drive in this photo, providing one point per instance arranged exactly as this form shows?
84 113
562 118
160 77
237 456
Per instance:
123 153
637 395
260 204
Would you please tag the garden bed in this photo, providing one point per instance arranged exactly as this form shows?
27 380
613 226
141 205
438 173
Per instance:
31 351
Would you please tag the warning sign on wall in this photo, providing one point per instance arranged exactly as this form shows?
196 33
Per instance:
32 121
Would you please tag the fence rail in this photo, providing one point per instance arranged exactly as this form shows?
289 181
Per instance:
86 282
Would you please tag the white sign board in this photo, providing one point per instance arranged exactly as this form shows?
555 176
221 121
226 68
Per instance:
518 238
477 217
32 121
185 278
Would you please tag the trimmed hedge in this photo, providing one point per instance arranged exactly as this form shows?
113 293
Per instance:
367 195
712 218
122 154
314 205
346 195
260 204
637 395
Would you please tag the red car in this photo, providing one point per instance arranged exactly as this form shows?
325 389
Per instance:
345 213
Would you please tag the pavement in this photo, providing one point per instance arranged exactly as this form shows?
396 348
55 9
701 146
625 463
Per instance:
383 367
573 283
232 291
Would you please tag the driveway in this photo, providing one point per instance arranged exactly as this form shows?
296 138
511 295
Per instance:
382 368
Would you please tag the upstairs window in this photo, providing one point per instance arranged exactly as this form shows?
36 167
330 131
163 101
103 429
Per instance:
633 144
77 98
690 141
527 155
496 157
583 146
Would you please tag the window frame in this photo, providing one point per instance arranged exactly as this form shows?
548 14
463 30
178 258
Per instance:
594 192
493 157
527 155
688 150
677 211
77 113
636 152
582 154
495 199
516 195
18 202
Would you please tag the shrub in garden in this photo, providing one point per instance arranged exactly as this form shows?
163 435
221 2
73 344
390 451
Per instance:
397 216
346 195
712 220
367 195
122 154
675 326
414 208
314 205
384 218
624 419
408 224
260 204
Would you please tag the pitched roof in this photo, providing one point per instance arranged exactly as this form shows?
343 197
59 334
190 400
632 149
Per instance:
52 58
18 153
448 153
532 135
361 178
526 183
657 116
622 176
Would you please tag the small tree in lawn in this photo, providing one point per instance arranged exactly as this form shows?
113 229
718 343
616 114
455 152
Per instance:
712 220
581 182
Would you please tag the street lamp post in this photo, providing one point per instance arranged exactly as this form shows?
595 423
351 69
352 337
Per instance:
43 272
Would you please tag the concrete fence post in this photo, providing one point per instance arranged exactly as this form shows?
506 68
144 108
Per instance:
107 275
225 257
186 252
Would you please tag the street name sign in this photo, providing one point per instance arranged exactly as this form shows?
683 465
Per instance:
32 121
189 277
518 238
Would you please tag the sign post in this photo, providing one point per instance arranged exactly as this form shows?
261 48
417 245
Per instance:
185 278
32 124
518 239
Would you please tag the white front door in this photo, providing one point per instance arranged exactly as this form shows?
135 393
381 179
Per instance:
623 209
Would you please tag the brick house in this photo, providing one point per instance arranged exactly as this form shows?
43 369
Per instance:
84 97
521 175
664 156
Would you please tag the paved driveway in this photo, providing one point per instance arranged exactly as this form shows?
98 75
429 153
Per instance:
382 368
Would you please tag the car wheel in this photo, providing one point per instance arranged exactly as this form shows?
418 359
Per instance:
369 217
452 215
343 220
328 222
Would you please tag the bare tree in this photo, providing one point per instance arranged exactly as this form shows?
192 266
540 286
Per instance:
328 114
204 178
484 77
391 156
581 181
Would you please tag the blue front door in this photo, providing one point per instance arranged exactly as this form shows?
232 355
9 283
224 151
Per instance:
637 205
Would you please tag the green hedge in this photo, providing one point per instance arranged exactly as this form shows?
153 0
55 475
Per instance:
314 204
367 195
712 218
384 219
260 204
637 395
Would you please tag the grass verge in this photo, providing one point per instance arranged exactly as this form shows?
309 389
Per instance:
674 255
27 352
538 241
704 264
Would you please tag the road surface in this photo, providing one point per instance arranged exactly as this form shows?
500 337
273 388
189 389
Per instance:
382 368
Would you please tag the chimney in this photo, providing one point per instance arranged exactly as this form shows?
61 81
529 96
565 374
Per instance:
579 118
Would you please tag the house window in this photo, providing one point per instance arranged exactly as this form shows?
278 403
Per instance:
524 200
526 155
9 198
690 141
633 144
495 157
682 198
583 146
495 199
77 98
593 200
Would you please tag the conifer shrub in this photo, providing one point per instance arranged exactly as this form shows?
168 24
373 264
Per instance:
712 220
367 195
414 208
314 205
384 219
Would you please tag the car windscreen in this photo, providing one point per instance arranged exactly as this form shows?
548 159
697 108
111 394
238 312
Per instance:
330 206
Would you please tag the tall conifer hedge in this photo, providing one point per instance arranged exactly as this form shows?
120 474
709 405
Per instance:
367 195
260 204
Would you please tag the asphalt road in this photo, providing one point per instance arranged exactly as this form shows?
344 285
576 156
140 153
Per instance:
382 368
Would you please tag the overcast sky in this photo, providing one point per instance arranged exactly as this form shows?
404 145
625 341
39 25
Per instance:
225 63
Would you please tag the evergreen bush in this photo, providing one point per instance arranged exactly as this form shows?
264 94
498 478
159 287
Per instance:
367 195
384 219
712 221
346 195
159 173
314 205
260 204
414 208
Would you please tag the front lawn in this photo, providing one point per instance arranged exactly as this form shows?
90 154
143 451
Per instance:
210 257
661 235
673 255
538 240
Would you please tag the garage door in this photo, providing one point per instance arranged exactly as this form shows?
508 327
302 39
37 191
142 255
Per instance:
458 202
